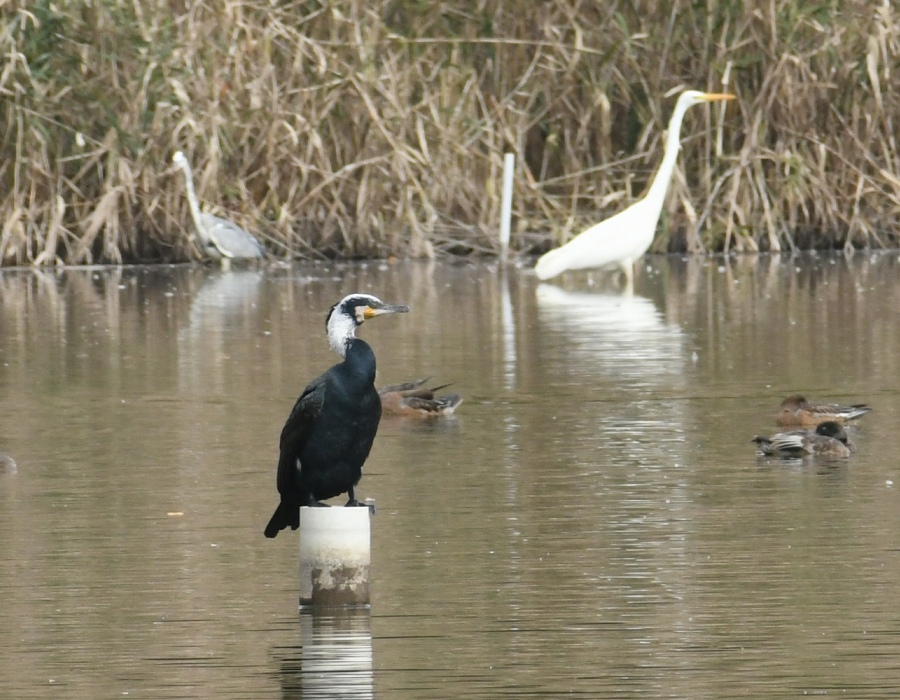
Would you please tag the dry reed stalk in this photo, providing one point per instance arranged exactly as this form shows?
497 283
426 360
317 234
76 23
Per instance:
374 128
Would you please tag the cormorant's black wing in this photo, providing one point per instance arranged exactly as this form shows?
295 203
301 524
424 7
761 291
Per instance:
296 432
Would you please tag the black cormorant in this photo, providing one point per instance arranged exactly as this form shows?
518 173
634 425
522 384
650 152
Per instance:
330 430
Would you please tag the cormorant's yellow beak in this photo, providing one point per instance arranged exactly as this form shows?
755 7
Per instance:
372 311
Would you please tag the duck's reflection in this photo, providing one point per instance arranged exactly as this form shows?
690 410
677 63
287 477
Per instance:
334 659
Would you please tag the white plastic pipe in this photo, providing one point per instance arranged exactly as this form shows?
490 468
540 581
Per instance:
509 168
334 556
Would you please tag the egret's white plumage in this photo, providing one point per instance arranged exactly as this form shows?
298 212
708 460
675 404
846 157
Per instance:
219 238
624 238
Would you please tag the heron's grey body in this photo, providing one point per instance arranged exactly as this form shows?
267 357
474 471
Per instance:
220 238
225 239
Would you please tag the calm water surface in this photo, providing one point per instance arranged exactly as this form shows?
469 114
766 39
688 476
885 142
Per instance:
593 523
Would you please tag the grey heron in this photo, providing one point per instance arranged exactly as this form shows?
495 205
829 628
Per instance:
220 238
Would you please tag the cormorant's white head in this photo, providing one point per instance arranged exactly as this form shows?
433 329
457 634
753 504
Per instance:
349 313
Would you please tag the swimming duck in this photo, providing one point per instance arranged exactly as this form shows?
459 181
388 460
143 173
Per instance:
796 410
328 435
7 464
414 400
829 439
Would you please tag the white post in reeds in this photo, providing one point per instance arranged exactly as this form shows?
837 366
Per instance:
334 556
509 167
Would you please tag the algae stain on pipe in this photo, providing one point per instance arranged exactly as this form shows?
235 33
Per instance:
335 556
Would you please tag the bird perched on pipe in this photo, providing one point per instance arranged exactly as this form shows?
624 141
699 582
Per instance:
328 435
796 410
621 240
414 400
220 238
828 439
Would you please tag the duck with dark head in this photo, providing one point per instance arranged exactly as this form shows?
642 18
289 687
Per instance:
828 440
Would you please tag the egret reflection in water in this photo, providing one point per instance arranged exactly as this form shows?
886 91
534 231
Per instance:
624 379
619 333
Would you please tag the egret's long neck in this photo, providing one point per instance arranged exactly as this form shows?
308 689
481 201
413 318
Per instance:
193 202
670 156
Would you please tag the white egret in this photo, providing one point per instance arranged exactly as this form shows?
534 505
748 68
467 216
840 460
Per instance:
624 238
219 238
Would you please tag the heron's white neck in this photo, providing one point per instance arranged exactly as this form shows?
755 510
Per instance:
660 185
341 331
193 202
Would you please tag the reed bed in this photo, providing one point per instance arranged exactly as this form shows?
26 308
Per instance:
378 127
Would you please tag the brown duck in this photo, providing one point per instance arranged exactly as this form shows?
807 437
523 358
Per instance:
796 410
414 400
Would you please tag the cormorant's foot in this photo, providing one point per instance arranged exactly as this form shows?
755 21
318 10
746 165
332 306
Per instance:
353 503
319 504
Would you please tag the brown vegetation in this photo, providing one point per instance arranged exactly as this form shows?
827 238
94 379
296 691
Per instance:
376 127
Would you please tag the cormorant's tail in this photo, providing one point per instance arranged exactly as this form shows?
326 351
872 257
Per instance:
285 514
